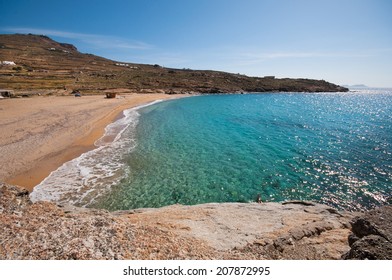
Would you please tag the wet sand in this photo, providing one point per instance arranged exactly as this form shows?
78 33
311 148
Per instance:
37 135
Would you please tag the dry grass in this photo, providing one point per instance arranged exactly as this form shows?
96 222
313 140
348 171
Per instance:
42 63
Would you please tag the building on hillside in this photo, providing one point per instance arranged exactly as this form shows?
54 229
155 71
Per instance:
10 63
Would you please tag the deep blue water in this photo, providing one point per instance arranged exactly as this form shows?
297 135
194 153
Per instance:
334 148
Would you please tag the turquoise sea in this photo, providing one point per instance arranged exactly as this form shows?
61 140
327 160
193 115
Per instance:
333 148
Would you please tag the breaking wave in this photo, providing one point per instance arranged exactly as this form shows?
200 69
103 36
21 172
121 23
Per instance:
82 180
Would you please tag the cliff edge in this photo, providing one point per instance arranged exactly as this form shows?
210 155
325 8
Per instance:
288 230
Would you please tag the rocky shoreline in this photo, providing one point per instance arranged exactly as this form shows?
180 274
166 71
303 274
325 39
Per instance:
289 230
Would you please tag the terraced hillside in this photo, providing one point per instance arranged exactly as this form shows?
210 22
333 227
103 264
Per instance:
41 64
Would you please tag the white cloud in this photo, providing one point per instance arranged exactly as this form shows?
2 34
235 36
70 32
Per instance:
98 41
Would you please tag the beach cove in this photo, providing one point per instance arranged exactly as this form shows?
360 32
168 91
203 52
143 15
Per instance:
281 150
296 230
330 148
39 134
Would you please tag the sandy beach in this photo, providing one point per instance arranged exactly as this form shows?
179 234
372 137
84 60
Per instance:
39 134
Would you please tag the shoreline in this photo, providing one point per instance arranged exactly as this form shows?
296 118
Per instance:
80 136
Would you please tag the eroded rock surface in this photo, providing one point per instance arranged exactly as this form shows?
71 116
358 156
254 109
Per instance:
46 231
372 235
257 231
290 230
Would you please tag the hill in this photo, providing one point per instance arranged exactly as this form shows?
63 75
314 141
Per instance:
38 63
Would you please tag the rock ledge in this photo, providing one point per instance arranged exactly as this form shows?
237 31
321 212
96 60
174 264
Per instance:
289 230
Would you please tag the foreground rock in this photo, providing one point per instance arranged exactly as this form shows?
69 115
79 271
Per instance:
372 235
45 231
291 230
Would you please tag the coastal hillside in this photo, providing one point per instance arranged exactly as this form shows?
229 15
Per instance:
38 64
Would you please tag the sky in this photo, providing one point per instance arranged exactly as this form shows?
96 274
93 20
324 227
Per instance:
342 41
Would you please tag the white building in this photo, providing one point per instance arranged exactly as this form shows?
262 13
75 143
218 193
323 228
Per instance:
8 62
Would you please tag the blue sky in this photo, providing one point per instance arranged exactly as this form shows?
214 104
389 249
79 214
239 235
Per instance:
341 41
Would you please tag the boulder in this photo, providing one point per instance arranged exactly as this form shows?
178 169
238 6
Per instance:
372 235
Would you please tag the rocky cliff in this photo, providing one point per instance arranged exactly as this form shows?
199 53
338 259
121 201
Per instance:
289 230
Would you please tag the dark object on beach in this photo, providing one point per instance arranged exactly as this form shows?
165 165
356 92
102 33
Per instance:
258 200
110 95
6 93
76 93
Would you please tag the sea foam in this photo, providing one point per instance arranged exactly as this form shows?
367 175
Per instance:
82 180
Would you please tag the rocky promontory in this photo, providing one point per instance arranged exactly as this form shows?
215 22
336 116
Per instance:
288 230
